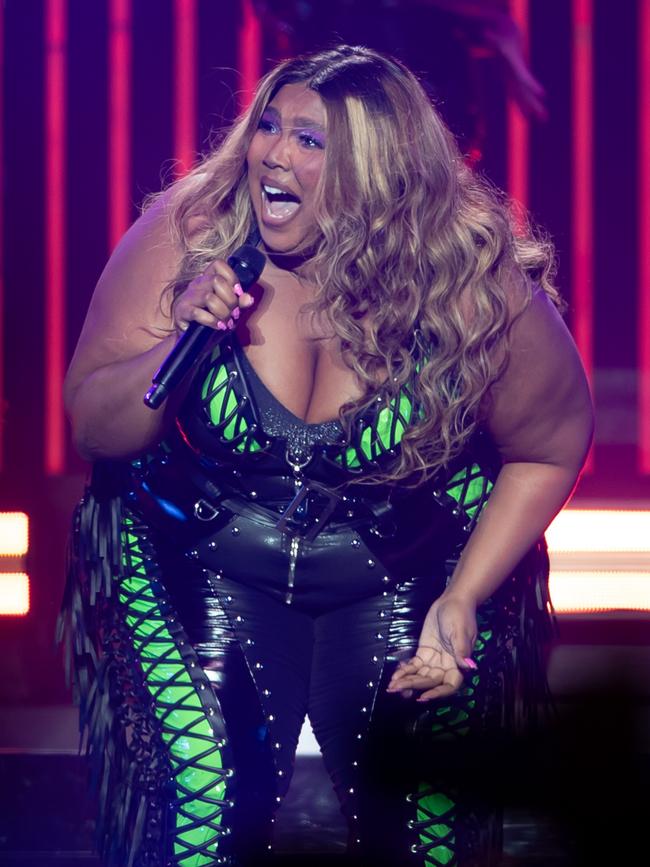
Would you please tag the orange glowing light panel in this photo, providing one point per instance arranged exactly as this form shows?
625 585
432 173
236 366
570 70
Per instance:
600 530
600 560
14 593
600 591
14 534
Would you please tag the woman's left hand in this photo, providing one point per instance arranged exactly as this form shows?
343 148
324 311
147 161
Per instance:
443 652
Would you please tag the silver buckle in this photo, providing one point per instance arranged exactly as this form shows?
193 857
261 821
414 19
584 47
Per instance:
315 524
205 511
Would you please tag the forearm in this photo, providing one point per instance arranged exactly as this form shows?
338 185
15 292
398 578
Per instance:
109 418
525 499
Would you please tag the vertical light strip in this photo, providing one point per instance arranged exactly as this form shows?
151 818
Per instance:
517 126
2 235
250 53
119 119
55 236
185 54
644 236
582 192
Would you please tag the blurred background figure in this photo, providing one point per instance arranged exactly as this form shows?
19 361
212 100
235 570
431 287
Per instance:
444 41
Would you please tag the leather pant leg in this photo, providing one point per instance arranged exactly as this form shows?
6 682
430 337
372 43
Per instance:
411 778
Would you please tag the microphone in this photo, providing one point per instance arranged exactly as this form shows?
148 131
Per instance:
247 262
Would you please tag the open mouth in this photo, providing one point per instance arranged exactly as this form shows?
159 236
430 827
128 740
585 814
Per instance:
279 204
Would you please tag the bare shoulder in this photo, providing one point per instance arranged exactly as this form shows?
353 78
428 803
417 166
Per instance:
541 404
129 312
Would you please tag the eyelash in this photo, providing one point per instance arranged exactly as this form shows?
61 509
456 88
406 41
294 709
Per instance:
309 141
267 125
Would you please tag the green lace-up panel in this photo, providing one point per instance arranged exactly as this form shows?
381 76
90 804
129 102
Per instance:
436 812
228 410
197 766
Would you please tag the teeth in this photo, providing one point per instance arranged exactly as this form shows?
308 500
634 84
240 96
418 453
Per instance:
273 190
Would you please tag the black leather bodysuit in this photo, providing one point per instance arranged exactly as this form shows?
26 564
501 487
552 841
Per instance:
241 577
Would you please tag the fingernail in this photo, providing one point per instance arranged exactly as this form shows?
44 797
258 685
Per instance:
237 289
221 325
469 662
230 324
235 313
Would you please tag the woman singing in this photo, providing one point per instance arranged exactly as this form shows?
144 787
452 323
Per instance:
338 513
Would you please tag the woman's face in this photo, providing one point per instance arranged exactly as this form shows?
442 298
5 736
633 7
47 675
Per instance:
285 160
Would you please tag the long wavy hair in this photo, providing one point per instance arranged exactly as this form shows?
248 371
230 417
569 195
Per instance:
410 250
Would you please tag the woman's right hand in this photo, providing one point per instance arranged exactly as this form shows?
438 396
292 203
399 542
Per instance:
215 298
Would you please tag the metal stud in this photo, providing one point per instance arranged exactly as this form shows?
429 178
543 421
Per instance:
259 666
239 618
382 613
364 710
355 543
193 554
266 692
277 745
271 718
235 531
359 736
378 635
371 564
228 599
375 659
386 579
355 764
250 642
212 545
371 683
351 791
253 495
350 513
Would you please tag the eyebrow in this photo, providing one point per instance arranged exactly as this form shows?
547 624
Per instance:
298 122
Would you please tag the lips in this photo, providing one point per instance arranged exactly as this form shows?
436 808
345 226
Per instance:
279 202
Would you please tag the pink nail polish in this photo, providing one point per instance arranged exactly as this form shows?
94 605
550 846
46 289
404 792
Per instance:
230 324
237 289
469 662
221 325
236 313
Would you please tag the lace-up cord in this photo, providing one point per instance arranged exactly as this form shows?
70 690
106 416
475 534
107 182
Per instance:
198 774
436 811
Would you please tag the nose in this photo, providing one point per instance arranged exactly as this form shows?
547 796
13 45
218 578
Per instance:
278 154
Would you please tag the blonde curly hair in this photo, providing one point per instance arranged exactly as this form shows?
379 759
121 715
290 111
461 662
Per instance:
408 241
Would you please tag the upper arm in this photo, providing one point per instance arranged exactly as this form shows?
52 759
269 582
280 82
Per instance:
540 409
127 316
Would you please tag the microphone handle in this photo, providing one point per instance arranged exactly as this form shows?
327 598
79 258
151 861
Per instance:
247 262
189 346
